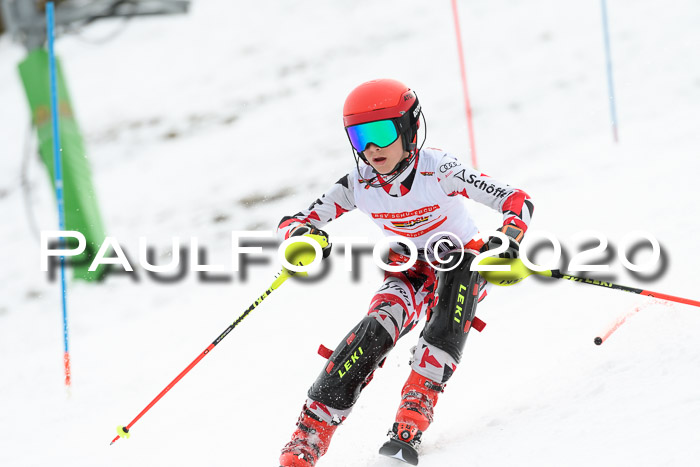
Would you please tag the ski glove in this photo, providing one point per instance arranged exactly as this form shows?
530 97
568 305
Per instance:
515 234
305 229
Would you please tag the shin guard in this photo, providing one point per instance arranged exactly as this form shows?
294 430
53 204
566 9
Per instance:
351 365
450 320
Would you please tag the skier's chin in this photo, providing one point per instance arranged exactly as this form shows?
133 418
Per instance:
384 172
381 166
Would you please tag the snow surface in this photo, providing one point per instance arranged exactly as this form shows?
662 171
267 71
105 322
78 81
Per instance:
229 118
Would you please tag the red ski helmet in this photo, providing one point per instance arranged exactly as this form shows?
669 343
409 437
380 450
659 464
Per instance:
386 100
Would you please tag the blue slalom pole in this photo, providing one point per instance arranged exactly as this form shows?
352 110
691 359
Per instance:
608 61
58 180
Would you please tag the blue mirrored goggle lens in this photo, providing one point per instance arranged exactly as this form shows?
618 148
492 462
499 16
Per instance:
382 133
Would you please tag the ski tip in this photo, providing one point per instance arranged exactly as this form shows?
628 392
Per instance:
399 450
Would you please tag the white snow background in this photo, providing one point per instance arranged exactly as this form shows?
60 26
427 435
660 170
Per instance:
229 118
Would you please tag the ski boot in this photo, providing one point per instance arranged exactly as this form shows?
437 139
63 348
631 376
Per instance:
418 397
309 441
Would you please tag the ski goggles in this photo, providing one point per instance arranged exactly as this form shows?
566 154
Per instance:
381 132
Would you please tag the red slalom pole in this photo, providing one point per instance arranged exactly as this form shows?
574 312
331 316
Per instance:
618 322
463 71
602 337
123 431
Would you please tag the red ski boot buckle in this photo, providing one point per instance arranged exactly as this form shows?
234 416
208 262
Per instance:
406 432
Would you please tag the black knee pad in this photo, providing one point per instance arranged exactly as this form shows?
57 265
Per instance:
450 320
351 364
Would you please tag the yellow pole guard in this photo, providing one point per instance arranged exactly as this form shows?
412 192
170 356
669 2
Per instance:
518 271
279 280
303 254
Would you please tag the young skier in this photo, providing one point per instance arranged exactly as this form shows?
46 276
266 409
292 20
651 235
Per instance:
413 193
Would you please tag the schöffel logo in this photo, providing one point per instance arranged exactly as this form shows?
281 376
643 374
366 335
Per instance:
428 174
483 185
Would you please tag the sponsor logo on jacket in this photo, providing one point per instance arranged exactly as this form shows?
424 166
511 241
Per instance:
411 223
484 185
448 165
405 214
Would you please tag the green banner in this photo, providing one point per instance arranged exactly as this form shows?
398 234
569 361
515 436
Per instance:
81 209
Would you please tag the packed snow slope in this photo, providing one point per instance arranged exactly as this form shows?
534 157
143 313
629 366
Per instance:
229 118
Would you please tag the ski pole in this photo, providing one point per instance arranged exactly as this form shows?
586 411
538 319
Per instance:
300 254
123 431
518 272
558 275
